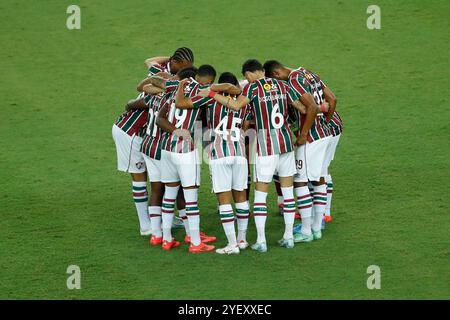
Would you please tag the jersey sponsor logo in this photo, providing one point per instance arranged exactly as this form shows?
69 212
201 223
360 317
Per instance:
277 96
270 87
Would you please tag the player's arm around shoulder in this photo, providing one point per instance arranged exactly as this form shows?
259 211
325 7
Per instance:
155 61
227 101
181 101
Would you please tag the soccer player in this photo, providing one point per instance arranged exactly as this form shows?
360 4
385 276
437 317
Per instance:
311 156
227 161
181 58
336 128
179 162
127 134
269 99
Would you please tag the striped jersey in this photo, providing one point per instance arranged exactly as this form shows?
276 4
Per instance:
269 99
151 143
157 68
182 118
224 128
133 122
304 81
336 125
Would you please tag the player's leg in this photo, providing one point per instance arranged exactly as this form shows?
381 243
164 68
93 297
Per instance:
154 212
286 170
316 166
129 159
304 198
280 201
328 178
239 191
140 197
221 176
156 196
188 168
181 206
264 169
171 179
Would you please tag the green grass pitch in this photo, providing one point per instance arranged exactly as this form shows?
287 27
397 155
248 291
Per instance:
62 201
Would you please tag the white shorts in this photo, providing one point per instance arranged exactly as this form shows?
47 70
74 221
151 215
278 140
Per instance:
180 167
282 165
334 140
153 168
310 160
229 173
129 156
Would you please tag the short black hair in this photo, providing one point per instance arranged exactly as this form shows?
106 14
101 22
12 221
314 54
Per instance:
228 77
183 54
189 72
270 66
251 65
207 70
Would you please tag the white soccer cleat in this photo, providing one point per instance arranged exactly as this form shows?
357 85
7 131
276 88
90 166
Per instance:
228 250
243 244
146 232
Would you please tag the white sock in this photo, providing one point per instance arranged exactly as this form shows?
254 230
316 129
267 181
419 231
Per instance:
183 216
280 200
193 214
155 219
288 212
140 198
260 214
168 207
242 214
227 219
329 182
319 204
304 205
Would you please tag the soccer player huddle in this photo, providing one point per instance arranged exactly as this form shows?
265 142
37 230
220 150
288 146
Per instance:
289 115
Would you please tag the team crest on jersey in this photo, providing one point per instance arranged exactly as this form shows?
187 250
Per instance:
140 165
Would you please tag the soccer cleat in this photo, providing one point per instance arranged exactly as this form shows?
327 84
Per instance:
228 250
286 243
203 237
166 245
146 232
177 223
155 241
202 247
327 218
260 247
297 216
317 235
300 237
243 244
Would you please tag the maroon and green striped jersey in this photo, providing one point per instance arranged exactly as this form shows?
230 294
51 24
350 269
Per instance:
304 81
157 68
151 143
224 128
336 125
133 122
182 118
269 103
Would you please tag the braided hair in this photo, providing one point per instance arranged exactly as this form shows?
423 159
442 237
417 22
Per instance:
183 54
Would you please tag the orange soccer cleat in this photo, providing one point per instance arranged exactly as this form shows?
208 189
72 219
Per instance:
327 219
155 241
202 247
203 237
166 245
